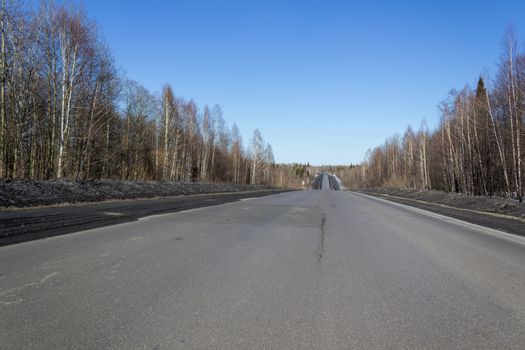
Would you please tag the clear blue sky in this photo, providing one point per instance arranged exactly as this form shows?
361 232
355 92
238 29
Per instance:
323 80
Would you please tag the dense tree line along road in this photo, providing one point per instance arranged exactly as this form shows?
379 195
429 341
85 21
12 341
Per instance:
75 116
316 269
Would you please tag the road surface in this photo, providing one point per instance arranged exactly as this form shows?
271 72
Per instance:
313 269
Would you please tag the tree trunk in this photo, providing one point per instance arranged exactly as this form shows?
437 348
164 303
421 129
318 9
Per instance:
3 143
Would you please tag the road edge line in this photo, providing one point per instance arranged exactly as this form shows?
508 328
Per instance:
479 228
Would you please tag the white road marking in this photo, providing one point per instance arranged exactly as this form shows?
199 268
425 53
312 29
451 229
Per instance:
482 229
110 213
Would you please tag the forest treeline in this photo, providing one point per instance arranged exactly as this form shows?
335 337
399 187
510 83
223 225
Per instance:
478 148
66 112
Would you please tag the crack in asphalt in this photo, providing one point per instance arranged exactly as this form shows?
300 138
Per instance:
323 237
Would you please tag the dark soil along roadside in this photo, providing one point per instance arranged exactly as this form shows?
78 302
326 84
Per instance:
493 212
20 225
27 193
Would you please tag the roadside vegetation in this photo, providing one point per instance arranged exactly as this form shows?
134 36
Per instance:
68 113
478 147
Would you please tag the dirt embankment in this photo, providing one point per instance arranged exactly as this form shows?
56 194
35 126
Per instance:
26 193
495 212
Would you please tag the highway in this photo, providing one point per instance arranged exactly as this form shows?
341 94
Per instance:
312 269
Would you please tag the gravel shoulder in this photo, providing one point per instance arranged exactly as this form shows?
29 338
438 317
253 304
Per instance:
32 210
494 212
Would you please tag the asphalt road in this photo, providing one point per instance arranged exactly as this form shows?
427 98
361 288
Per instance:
313 269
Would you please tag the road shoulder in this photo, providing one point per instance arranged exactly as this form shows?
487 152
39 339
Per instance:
17 226
505 223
